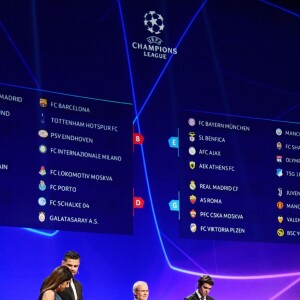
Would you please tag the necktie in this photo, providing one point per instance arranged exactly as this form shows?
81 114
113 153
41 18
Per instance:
74 289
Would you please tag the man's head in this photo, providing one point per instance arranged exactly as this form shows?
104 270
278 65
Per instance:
205 284
72 261
140 290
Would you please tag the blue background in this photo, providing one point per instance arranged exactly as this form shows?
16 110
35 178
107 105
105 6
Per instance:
233 57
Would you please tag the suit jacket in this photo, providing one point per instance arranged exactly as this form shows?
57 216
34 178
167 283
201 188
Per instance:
194 296
67 293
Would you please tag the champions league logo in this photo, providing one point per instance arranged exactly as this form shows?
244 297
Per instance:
154 23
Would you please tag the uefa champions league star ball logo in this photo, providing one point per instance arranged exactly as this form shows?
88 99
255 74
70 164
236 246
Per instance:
154 22
154 47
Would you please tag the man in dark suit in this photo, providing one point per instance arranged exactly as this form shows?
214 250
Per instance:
205 284
74 291
140 290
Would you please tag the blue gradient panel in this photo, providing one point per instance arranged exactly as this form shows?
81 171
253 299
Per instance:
225 194
81 161
227 58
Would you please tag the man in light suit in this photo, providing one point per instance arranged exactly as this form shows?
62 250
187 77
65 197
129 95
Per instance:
205 284
74 291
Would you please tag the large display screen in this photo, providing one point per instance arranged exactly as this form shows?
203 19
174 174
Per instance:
159 139
70 158
225 193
